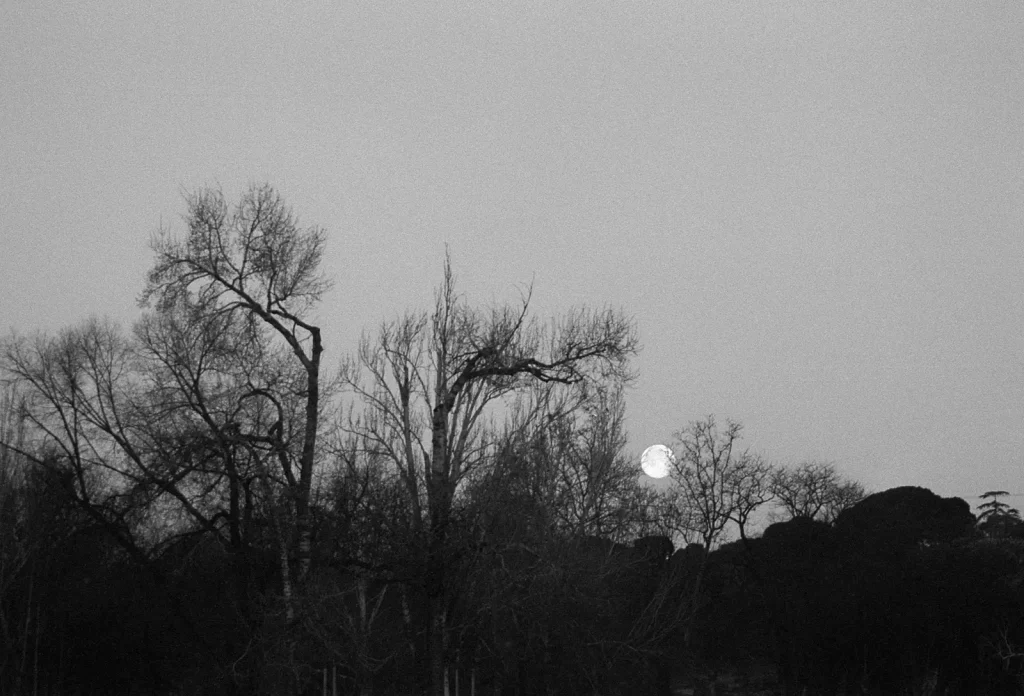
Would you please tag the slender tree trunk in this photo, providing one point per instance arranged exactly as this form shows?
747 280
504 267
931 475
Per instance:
234 500
24 638
695 597
282 546
436 647
439 502
303 525
60 657
35 658
407 620
286 583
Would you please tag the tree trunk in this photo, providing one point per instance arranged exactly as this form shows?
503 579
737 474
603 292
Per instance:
436 647
22 668
279 528
303 525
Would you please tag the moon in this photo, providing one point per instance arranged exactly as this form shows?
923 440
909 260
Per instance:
656 461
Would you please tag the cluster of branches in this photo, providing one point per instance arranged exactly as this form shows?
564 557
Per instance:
470 446
455 504
814 490
716 487
461 405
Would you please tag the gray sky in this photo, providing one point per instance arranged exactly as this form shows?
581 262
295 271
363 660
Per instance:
814 210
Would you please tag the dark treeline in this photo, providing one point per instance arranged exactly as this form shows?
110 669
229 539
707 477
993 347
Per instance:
199 505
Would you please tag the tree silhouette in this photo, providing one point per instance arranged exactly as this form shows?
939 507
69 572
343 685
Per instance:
997 518
255 262
814 490
425 389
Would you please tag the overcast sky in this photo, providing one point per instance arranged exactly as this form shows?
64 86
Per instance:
814 210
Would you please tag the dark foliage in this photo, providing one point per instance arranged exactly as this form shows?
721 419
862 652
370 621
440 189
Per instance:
899 597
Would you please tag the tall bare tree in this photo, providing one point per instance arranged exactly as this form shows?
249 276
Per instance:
428 386
256 261
206 417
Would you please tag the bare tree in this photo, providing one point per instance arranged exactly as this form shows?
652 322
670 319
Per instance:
427 387
255 261
750 489
581 473
150 427
815 490
226 402
75 406
714 484
206 418
599 491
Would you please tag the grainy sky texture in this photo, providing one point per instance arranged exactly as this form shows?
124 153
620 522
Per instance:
814 210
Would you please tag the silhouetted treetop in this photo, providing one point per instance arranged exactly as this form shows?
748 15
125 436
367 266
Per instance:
899 518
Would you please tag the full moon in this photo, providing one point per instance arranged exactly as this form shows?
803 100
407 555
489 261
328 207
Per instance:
656 460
